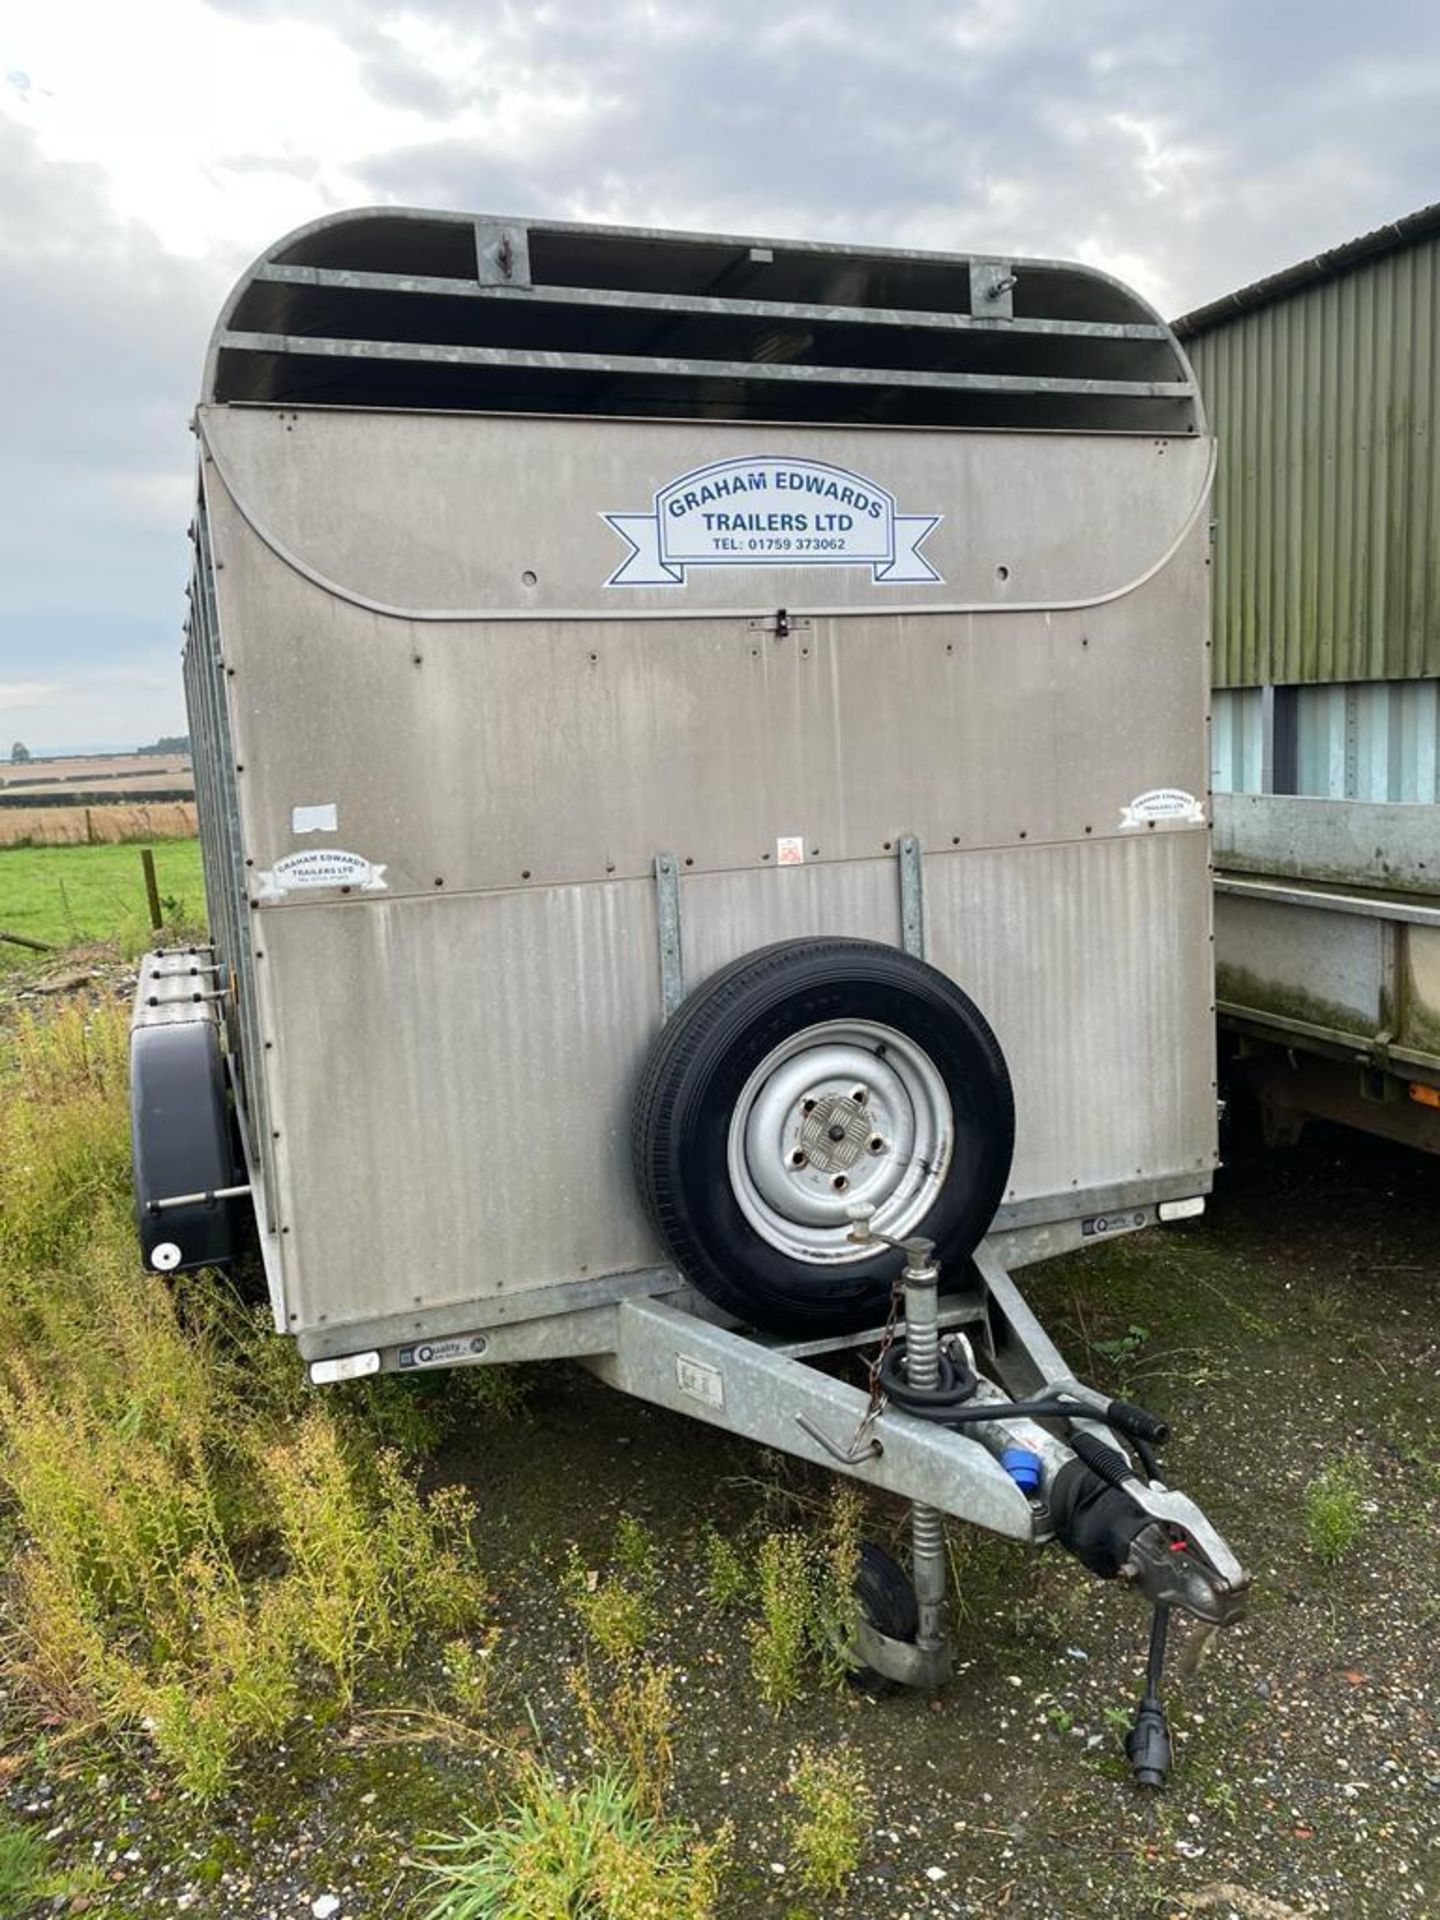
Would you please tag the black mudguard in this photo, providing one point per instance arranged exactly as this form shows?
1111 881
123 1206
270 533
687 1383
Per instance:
181 1143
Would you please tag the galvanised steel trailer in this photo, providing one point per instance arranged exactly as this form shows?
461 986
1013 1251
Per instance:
699 746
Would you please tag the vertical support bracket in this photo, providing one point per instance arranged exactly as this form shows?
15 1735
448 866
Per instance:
502 254
992 285
672 959
912 896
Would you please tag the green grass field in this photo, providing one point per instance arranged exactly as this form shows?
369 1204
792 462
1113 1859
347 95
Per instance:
72 894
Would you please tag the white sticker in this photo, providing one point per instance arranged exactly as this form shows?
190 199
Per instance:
790 850
350 1366
1182 1209
702 1382
321 867
314 819
769 511
1171 806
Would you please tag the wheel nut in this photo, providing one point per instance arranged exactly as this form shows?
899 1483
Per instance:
860 1096
877 1145
837 1133
807 1106
840 1183
797 1159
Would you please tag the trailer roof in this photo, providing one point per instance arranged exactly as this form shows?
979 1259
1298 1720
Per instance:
397 307
1390 238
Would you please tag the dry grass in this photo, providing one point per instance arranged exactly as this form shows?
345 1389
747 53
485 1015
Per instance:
45 825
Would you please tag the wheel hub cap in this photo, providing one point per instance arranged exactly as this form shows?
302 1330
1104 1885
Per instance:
835 1133
844 1112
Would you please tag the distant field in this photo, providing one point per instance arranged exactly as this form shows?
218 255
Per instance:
128 772
72 894
45 825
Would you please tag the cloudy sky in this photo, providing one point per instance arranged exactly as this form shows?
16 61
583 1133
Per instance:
148 151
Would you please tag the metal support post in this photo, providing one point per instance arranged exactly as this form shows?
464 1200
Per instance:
921 1282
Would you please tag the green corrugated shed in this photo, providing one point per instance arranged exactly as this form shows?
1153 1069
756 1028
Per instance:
1323 387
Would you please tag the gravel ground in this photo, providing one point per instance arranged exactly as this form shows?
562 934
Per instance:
1299 1322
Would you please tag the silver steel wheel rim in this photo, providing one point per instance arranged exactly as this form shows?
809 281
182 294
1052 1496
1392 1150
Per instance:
846 1112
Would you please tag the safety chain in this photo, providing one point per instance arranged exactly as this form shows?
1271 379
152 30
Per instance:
878 1402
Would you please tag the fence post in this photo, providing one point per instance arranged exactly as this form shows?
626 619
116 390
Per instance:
152 890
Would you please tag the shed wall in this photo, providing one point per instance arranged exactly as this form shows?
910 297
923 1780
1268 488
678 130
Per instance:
1326 405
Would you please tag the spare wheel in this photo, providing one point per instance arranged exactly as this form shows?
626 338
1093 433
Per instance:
796 1082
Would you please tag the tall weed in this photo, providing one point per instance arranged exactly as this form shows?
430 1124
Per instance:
805 1587
199 1538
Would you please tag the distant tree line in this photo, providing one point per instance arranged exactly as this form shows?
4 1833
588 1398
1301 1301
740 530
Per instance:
170 743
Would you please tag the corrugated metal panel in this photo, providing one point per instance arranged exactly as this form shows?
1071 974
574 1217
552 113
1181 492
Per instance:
1237 741
1367 742
1327 407
1363 740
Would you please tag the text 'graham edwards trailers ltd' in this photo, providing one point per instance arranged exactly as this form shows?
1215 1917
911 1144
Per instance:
700 747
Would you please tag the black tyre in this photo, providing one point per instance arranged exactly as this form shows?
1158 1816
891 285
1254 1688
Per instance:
799 1080
886 1599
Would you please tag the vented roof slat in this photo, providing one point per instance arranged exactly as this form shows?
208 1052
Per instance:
519 359
395 307
342 279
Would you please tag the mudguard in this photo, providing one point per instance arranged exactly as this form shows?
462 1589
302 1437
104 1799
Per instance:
181 1137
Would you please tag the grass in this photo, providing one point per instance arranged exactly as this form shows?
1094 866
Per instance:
1334 1509
826 1832
805 1588
586 1850
70 895
617 1608
628 1725
24 1868
728 1579
200 1540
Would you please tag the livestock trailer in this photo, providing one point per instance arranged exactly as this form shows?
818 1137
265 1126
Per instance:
701 752
1323 386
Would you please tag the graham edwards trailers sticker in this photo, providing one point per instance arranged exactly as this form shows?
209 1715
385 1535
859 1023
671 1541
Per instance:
772 512
321 867
1163 806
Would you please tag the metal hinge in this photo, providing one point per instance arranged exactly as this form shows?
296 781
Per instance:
781 623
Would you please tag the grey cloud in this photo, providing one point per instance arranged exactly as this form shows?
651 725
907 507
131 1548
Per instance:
1191 149
104 332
